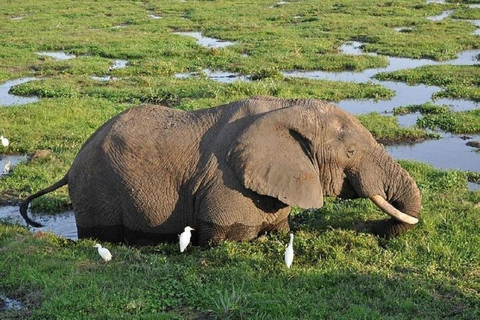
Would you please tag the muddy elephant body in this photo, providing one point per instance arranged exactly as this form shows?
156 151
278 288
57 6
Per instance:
230 172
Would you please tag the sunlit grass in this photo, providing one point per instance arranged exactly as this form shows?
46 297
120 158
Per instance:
340 270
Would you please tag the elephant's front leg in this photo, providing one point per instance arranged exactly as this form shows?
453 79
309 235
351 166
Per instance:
233 215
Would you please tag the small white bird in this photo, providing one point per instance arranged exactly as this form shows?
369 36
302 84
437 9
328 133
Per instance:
6 167
289 252
185 238
103 252
5 141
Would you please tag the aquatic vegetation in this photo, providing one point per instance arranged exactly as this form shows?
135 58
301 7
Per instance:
387 131
455 122
456 81
340 270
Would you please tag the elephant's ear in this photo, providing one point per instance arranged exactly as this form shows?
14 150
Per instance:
274 157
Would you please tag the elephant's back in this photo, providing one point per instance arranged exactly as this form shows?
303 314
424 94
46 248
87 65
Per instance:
133 166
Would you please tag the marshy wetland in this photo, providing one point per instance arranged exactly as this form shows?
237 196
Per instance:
408 69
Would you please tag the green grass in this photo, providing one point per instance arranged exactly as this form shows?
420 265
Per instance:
340 270
455 122
460 82
443 118
387 131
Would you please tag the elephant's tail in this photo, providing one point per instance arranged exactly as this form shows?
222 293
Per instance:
24 204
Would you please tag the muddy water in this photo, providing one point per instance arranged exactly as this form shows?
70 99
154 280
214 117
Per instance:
60 224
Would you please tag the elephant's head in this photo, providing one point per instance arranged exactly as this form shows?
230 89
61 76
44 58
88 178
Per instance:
312 149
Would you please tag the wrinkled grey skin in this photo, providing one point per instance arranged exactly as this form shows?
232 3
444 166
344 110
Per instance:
230 172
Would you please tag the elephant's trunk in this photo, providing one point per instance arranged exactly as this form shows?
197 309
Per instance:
399 197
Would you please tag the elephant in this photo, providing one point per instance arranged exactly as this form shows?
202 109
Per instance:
230 172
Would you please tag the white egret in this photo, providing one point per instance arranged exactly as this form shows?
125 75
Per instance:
185 238
103 252
289 252
5 141
6 166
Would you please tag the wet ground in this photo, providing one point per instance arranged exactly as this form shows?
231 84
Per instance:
58 55
60 224
8 100
450 152
7 304
207 42
8 162
220 76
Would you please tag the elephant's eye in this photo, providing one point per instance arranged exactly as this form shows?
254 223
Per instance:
351 153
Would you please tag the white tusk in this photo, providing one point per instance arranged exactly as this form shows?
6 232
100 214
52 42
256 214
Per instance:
392 211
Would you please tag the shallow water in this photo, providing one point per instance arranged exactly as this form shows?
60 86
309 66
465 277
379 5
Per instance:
403 29
206 42
450 152
60 224
119 64
8 100
102 78
404 94
59 55
9 304
154 16
13 160
441 16
408 120
473 186
217 75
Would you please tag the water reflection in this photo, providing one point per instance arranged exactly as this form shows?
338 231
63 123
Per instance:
8 100
219 76
472 186
154 16
404 94
408 120
441 16
102 78
8 162
119 64
60 224
206 42
59 55
8 304
450 152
